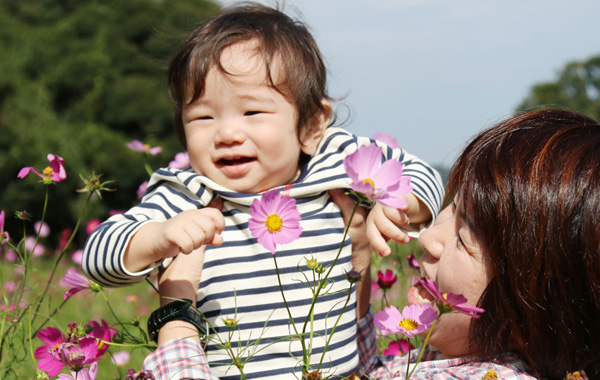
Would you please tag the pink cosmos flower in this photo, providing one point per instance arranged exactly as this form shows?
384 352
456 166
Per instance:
385 281
53 338
102 333
53 173
10 286
142 190
449 301
77 256
120 358
181 161
142 375
387 139
383 183
91 225
413 320
398 347
65 235
77 282
76 356
138 146
274 220
12 307
42 227
4 236
35 249
413 262
11 256
84 374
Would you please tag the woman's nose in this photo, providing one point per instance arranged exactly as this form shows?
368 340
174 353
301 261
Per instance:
432 239
428 241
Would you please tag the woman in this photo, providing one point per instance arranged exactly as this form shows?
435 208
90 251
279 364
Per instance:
519 239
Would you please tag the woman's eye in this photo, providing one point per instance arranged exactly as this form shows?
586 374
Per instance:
251 113
459 240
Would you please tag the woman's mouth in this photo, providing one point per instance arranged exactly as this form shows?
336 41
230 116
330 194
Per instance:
418 295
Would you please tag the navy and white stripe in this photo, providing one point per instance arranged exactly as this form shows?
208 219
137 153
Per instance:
239 276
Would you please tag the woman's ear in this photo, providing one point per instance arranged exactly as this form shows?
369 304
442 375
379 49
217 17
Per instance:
315 129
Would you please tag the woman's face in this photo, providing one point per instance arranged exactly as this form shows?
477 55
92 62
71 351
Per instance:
455 261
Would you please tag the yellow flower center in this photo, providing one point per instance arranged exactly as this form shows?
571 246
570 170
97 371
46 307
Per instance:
408 324
369 181
48 172
147 146
100 345
490 375
273 223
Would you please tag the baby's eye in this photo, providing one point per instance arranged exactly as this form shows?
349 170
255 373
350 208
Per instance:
252 113
205 118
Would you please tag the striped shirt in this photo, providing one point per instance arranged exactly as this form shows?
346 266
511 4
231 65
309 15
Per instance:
239 279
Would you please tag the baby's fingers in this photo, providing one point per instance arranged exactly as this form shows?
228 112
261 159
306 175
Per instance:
378 242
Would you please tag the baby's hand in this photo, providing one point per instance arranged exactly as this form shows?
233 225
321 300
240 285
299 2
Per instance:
383 224
188 231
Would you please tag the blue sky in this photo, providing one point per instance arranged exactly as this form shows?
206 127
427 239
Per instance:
434 72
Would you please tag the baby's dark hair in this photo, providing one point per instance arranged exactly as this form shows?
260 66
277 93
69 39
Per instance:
303 73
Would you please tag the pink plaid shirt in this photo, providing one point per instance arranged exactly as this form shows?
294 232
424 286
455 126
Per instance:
184 359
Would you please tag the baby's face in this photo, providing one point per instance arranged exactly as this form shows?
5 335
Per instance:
241 133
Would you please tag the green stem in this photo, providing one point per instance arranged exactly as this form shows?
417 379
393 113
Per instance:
115 314
334 327
408 354
152 285
31 340
49 317
148 168
322 282
60 256
423 345
37 237
290 314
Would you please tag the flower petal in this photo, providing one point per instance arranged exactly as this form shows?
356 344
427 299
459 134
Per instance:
25 171
51 335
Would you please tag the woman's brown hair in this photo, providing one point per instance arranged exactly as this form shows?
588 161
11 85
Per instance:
303 74
531 185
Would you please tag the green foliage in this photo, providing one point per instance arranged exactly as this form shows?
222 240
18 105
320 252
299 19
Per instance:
577 87
79 79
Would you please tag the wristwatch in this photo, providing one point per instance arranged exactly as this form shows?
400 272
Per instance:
178 310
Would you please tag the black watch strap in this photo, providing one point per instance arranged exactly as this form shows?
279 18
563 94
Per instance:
178 310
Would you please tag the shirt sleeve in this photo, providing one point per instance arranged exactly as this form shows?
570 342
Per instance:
367 345
179 359
167 195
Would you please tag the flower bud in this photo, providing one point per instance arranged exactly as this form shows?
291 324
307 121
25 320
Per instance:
311 263
118 337
353 277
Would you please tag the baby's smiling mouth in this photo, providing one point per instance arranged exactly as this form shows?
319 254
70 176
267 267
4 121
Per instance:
231 161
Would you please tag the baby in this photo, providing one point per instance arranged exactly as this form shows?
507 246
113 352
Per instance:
252 111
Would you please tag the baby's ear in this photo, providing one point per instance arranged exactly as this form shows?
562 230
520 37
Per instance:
315 129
